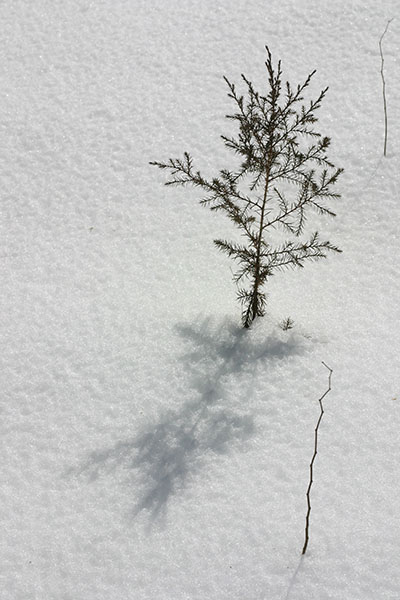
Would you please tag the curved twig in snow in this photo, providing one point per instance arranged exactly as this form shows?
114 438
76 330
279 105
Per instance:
384 85
313 458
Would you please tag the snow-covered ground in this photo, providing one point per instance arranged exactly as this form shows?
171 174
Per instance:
150 448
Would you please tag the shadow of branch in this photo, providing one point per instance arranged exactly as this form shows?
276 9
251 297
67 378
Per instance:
164 454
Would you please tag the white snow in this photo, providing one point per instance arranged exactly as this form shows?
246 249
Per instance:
151 449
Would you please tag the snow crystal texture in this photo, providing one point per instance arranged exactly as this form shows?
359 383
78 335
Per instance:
151 449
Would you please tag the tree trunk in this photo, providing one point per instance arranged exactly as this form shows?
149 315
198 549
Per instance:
253 310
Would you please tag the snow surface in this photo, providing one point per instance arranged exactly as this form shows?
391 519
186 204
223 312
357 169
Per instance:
151 449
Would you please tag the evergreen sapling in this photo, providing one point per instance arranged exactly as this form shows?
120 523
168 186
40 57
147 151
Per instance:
284 172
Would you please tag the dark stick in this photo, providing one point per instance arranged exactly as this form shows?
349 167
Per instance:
384 85
313 458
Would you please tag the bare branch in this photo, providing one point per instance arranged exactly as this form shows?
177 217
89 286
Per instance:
384 86
313 459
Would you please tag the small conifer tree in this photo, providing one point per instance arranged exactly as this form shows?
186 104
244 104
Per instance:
284 171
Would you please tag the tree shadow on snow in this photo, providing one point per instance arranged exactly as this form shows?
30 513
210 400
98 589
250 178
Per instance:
163 456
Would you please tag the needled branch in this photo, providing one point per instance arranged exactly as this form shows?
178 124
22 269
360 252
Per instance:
283 173
313 459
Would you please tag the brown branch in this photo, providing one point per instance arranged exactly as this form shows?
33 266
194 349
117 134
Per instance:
254 304
313 459
384 85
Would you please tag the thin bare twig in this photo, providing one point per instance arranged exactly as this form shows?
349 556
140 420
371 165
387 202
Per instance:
384 85
313 458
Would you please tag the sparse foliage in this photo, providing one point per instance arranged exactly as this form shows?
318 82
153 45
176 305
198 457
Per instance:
284 171
287 324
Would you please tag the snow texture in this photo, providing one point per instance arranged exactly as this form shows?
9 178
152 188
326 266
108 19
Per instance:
151 449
